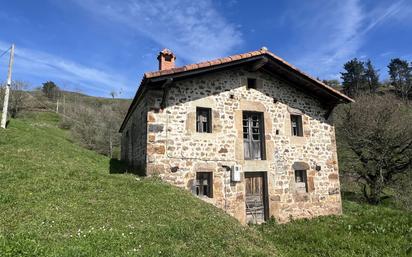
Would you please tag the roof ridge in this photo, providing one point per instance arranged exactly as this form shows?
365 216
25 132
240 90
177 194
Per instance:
206 63
235 57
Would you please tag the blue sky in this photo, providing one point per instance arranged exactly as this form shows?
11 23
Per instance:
96 46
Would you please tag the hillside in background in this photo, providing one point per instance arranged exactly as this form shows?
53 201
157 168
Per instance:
93 122
59 199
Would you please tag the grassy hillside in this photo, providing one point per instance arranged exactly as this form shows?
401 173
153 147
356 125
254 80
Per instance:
57 199
362 230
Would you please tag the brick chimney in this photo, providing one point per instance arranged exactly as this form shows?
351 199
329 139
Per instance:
166 59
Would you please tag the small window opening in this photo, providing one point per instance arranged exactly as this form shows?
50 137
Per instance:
251 83
204 184
296 125
301 181
203 120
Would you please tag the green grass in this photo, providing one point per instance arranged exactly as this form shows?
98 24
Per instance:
58 199
362 230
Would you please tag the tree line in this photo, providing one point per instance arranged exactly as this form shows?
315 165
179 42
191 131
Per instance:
361 77
375 132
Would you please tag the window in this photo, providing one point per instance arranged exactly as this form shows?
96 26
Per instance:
301 181
253 135
203 120
251 83
296 125
204 184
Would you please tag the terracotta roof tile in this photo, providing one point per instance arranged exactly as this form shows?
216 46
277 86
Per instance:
180 69
167 72
203 64
254 53
236 57
246 55
225 59
191 66
216 62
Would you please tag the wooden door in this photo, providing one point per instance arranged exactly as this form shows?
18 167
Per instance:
256 197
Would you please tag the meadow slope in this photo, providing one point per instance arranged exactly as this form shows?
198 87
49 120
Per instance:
58 199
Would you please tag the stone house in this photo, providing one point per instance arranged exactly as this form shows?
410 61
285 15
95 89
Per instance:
249 133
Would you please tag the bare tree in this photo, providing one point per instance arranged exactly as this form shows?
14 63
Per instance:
378 131
95 125
18 96
2 92
113 94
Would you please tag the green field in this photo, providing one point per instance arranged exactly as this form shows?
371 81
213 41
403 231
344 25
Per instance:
58 199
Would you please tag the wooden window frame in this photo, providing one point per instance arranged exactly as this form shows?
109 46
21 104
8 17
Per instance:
200 187
299 125
199 127
250 138
304 176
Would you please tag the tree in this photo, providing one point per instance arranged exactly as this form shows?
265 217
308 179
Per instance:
371 77
50 89
332 82
95 124
2 93
400 73
353 77
113 94
377 131
18 96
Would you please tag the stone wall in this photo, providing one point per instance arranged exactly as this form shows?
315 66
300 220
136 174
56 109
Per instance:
134 138
175 151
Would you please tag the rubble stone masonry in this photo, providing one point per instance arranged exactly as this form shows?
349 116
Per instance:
165 142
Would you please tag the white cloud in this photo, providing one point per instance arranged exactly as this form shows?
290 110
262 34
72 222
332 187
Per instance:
381 14
37 64
341 28
194 30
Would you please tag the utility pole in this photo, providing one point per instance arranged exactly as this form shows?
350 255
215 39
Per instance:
7 92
